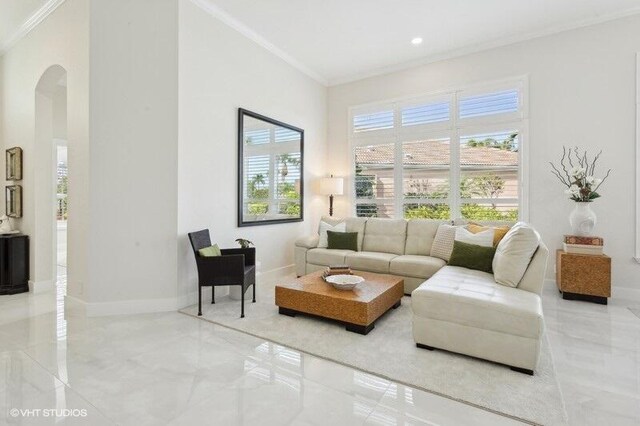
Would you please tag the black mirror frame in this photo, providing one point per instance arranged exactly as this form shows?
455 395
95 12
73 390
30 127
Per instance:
241 114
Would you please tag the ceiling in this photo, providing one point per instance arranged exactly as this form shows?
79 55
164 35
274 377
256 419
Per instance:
15 18
342 40
335 41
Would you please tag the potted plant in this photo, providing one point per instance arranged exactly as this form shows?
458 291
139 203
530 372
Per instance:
577 173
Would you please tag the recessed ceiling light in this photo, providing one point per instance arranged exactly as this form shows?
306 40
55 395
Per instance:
416 41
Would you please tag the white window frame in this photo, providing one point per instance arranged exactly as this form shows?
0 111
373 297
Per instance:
453 129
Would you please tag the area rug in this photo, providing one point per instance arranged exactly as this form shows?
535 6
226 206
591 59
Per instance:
389 351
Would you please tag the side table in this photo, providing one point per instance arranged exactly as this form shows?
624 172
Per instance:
583 276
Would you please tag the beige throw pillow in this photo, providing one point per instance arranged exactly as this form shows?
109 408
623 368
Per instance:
323 242
483 238
443 242
513 254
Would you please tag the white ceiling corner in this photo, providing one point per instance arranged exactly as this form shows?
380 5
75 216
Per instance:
226 18
19 29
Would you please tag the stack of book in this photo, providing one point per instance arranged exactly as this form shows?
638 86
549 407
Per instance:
337 270
583 245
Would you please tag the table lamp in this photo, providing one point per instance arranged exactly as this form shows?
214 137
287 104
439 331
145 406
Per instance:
331 186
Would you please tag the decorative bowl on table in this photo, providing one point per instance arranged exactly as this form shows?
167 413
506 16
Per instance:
344 282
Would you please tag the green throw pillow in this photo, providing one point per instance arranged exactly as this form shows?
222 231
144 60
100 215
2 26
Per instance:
472 256
342 240
212 251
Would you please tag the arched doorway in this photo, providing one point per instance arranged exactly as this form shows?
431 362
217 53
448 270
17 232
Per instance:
48 248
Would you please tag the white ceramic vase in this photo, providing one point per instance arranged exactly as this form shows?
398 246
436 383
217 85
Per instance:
582 219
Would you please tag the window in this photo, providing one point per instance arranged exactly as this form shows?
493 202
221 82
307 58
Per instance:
447 156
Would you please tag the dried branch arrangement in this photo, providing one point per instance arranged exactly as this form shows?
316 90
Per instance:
577 173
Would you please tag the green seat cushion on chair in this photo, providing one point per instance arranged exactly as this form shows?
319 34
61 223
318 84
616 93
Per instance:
211 251
472 256
342 240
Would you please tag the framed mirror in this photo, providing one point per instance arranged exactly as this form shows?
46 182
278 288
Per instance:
13 197
14 163
270 170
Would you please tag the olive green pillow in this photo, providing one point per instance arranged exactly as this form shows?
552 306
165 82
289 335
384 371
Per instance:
342 240
211 251
472 256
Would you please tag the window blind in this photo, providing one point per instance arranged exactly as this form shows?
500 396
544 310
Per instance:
489 104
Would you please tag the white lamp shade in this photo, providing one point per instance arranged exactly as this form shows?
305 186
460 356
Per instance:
331 186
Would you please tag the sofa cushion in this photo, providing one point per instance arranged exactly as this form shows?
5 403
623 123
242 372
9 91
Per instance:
473 299
369 261
514 253
354 224
385 235
420 235
326 257
416 266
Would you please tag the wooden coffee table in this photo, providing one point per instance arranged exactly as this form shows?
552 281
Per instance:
358 308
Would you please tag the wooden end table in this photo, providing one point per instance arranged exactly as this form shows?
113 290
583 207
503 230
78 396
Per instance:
358 309
583 276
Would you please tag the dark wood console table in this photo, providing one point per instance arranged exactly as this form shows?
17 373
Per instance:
14 264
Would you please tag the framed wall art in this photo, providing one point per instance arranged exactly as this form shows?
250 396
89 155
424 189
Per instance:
14 163
13 198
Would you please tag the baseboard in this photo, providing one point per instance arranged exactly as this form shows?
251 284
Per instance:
75 305
145 306
274 274
626 293
617 293
263 277
129 307
41 286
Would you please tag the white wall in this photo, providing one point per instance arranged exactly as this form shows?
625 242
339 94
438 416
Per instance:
134 147
62 38
221 70
581 92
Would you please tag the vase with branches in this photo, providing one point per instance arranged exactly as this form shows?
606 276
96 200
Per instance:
577 172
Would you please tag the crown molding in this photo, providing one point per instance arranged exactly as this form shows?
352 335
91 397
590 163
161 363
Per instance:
232 22
28 25
468 50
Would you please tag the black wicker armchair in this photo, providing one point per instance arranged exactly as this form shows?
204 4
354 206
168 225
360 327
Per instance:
234 267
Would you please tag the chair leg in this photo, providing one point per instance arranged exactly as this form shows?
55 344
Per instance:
199 300
213 295
254 292
242 305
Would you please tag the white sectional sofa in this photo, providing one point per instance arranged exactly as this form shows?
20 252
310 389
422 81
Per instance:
389 246
454 308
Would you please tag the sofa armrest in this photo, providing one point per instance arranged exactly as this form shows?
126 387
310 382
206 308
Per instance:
308 242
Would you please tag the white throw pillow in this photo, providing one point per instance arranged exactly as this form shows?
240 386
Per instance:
484 238
323 242
513 254
442 245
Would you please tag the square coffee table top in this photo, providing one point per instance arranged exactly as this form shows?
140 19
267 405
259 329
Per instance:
374 285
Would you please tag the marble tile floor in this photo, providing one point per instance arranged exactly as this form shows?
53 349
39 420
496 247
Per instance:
173 369
596 351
